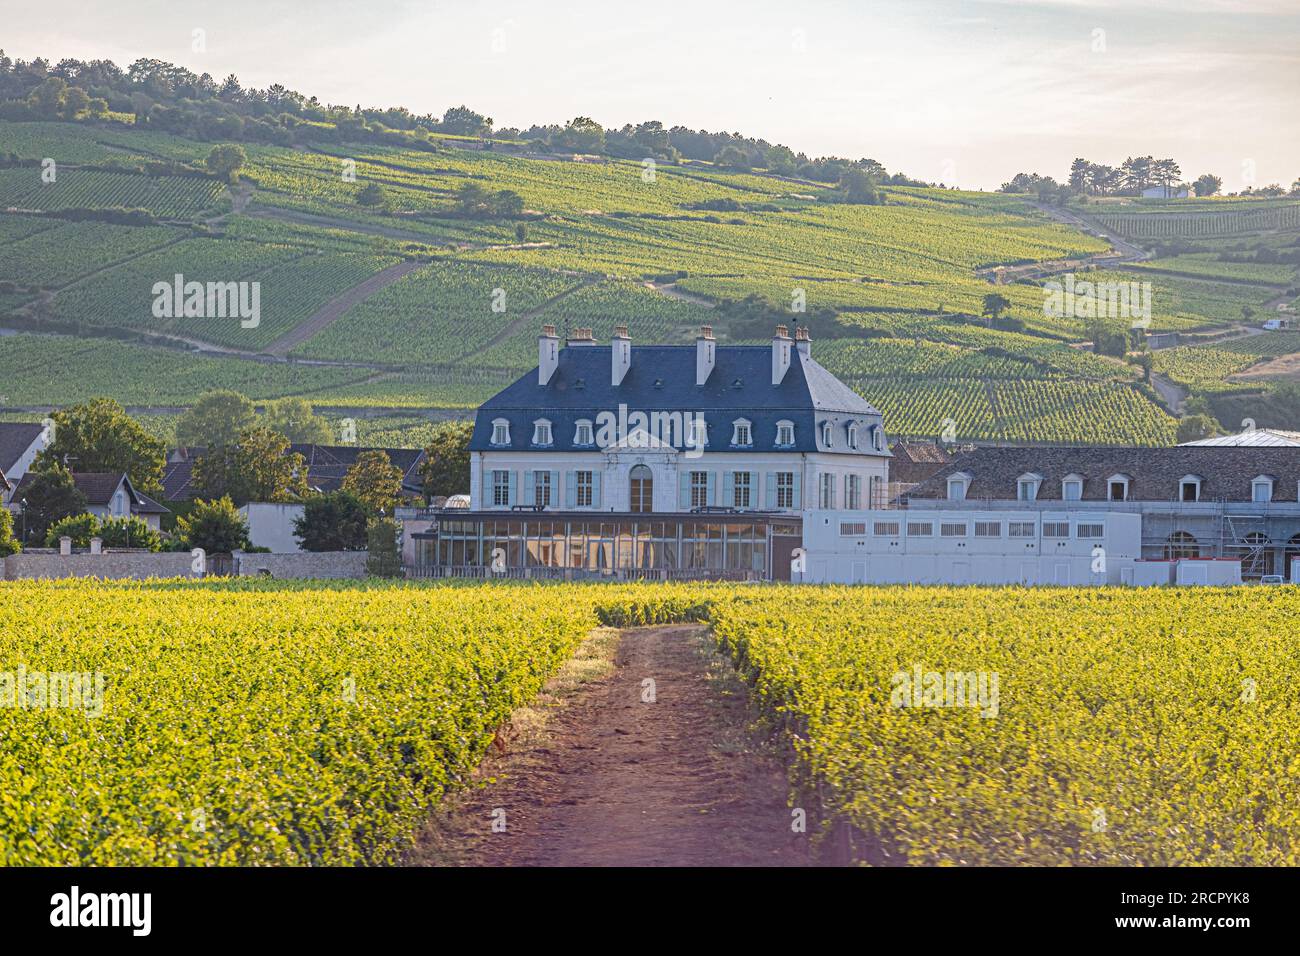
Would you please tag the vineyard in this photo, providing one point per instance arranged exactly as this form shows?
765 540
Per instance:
267 723
246 726
598 244
1232 222
170 197
437 314
143 375
1148 727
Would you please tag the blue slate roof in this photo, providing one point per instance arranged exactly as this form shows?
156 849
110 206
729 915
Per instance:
662 378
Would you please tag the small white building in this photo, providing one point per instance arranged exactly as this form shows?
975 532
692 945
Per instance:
945 546
270 526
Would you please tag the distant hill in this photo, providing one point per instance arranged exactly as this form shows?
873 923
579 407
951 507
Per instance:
429 298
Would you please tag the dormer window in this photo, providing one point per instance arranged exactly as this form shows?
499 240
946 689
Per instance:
541 432
1117 488
1189 489
741 434
1261 489
785 434
500 432
698 434
853 435
1072 488
958 484
828 435
1027 487
582 433
877 438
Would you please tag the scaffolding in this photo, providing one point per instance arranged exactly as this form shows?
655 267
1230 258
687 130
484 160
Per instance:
1259 541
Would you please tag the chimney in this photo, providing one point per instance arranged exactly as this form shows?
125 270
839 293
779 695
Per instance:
620 352
704 354
581 337
803 342
780 354
548 354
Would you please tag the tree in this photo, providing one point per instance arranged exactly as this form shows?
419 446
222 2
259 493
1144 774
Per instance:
445 469
1166 172
782 161
215 526
1079 174
733 157
296 420
75 101
857 185
225 161
1196 427
258 467
382 542
463 121
582 134
334 522
50 496
375 480
129 532
8 543
372 194
80 528
99 436
46 99
216 419
1137 172
1207 185
995 303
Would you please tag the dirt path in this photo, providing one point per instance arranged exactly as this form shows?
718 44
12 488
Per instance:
613 780
527 317
328 313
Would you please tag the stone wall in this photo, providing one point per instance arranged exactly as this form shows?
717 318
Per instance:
111 564
305 564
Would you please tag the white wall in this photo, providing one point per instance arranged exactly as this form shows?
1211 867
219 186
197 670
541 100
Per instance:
871 558
271 526
667 465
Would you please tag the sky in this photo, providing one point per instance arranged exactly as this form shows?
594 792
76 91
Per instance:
965 92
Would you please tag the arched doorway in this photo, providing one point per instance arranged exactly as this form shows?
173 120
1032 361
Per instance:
642 489
1182 544
1258 558
1292 552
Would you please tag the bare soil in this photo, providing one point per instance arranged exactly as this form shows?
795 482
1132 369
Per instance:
602 772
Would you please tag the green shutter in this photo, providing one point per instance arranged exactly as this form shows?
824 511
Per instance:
530 496
485 495
555 490
570 490
684 490
770 484
798 491
595 489
512 488
712 496
728 488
